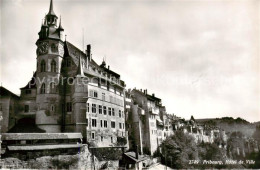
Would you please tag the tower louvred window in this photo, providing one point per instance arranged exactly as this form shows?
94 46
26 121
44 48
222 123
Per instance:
53 66
43 66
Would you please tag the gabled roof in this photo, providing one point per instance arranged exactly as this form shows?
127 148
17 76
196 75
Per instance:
4 93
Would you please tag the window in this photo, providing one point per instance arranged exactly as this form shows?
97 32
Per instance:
87 122
53 66
109 111
100 109
54 48
113 124
88 107
112 139
52 108
90 93
53 87
119 113
94 123
26 108
113 112
92 135
101 138
103 96
94 109
101 123
69 107
28 91
105 110
105 123
123 125
120 125
95 94
43 66
43 88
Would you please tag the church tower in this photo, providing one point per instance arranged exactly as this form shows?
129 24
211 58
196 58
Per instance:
50 51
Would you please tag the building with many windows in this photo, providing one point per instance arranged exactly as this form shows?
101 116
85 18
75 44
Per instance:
69 91
147 122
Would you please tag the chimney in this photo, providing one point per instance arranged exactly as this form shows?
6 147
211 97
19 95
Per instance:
108 67
88 50
145 91
153 95
136 152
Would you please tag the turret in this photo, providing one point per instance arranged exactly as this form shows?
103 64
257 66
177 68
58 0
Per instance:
61 31
51 16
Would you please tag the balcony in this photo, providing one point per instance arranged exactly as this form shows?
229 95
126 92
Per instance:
154 110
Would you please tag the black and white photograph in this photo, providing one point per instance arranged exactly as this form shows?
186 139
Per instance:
130 84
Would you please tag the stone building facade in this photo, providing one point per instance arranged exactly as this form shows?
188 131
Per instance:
8 107
149 125
68 92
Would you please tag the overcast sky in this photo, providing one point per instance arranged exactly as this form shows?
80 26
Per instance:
200 57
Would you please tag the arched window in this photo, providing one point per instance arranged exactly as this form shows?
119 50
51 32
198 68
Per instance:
53 66
43 66
43 88
53 87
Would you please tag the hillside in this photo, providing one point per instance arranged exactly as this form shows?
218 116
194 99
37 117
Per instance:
230 125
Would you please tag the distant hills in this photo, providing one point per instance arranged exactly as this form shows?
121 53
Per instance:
230 125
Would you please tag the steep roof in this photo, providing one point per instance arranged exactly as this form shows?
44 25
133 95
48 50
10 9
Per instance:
74 52
4 93
51 11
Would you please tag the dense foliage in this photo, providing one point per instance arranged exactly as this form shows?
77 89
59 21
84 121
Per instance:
180 149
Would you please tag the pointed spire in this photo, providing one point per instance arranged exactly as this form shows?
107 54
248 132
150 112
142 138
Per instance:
103 63
80 72
51 12
60 26
45 21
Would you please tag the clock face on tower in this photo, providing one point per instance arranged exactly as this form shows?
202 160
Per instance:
42 48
